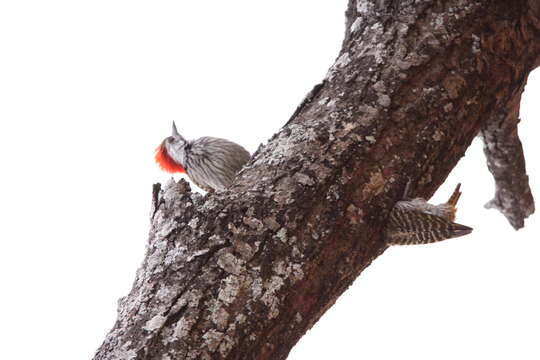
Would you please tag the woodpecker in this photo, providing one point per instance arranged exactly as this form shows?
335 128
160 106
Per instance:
415 221
211 163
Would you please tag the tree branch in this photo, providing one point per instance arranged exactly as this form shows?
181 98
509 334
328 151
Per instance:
506 162
242 274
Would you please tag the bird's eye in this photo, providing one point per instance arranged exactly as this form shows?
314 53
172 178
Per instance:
169 139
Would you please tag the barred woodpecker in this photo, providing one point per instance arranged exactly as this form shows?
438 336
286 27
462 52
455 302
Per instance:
211 163
415 221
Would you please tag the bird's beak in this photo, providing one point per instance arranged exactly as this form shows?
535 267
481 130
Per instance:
174 130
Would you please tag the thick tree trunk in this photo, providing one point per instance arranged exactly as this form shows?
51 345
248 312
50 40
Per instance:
243 274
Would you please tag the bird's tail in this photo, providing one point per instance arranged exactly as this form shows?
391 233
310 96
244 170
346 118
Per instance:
455 196
452 203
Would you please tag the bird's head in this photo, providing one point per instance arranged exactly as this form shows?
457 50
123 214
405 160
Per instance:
171 153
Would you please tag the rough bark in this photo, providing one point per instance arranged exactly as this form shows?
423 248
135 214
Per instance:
242 274
506 162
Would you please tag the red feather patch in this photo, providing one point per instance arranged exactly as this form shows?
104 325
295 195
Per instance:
166 162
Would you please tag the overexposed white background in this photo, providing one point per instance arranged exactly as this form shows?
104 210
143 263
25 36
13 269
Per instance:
89 89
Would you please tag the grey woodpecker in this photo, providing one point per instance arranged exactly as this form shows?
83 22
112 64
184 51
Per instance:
211 163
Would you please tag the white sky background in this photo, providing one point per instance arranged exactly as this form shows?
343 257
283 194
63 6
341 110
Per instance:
89 89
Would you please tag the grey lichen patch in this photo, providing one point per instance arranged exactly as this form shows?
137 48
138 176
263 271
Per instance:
164 293
356 24
379 86
191 297
124 352
379 53
164 225
281 269
183 326
334 115
287 144
282 235
384 100
364 7
212 339
304 179
347 128
269 298
240 318
229 292
257 287
370 139
193 223
156 258
438 21
343 60
176 256
155 323
279 151
173 189
219 315
229 262
297 272
323 101
210 204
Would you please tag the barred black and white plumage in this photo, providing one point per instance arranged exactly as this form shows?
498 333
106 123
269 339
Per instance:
211 163
416 221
